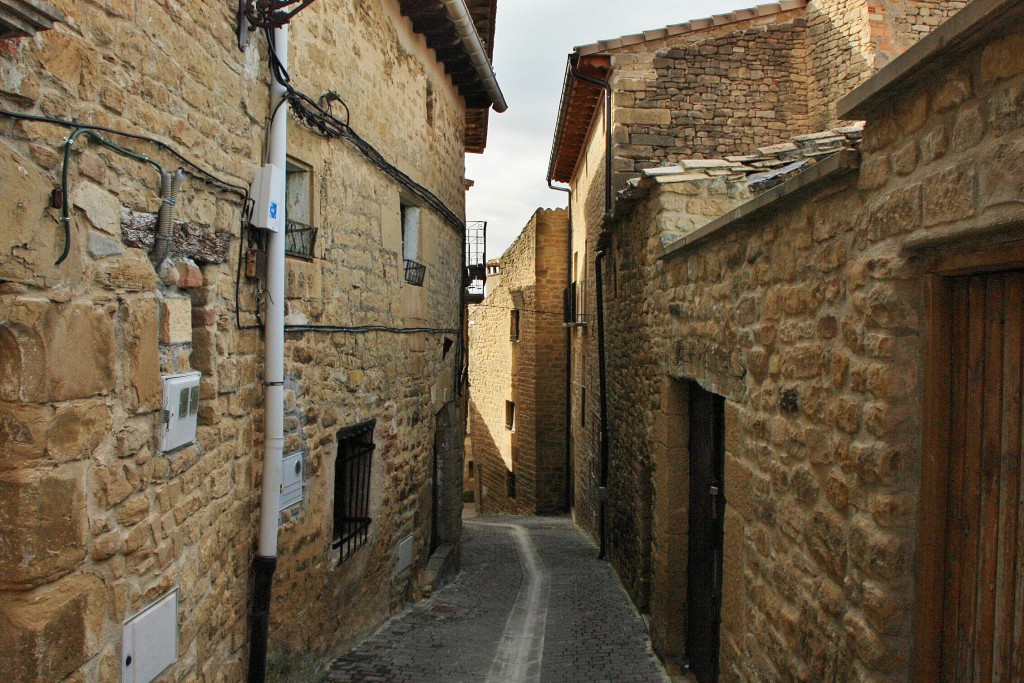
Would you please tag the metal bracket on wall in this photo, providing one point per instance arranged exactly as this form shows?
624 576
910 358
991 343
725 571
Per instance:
243 26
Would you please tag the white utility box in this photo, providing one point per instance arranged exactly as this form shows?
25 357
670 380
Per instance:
404 554
291 480
180 410
268 196
150 641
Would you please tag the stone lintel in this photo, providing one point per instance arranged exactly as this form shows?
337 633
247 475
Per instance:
835 165
979 20
139 230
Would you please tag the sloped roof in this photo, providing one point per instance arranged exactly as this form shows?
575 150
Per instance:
430 19
690 26
580 99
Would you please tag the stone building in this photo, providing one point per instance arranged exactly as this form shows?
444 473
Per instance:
782 316
102 517
517 374
728 84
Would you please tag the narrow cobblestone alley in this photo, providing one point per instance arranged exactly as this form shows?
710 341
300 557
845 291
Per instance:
532 603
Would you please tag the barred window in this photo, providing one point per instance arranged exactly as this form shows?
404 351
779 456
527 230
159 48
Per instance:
352 488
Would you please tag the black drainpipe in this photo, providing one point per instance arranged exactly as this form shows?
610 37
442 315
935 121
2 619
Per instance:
602 380
263 570
568 352
607 128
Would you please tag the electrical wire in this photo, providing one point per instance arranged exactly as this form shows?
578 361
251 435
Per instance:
362 329
318 117
538 311
271 14
65 204
191 168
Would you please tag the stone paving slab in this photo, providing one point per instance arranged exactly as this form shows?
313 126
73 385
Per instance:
538 589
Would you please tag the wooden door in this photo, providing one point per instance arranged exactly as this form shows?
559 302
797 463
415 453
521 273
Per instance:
706 513
983 578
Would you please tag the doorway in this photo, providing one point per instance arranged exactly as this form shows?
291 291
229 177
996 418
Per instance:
969 616
706 531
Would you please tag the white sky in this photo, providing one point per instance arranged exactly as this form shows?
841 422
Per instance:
530 47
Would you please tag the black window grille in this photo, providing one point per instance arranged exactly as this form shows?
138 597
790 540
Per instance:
352 488
414 272
299 240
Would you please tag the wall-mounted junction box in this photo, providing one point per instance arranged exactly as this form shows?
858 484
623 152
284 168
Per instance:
150 641
404 554
291 480
180 414
268 195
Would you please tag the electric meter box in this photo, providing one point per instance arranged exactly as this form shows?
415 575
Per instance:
268 197
180 410
291 480
150 641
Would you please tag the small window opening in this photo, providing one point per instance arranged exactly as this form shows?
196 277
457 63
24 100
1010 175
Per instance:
414 270
430 104
513 332
300 235
352 488
510 416
510 484
583 406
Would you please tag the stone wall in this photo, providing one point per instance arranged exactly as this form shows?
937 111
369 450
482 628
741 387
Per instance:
724 94
104 522
808 319
528 371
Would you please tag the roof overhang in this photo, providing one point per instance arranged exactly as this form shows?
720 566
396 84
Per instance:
461 34
576 110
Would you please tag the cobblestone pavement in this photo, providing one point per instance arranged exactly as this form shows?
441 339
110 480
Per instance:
532 603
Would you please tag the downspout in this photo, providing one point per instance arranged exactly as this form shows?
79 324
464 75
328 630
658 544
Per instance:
265 561
602 381
464 26
568 353
604 85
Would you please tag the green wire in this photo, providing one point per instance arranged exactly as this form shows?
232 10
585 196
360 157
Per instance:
65 209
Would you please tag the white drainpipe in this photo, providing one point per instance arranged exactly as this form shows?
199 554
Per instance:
273 372
463 22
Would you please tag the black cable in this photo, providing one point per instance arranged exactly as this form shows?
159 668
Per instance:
369 328
318 118
199 173
65 204
538 311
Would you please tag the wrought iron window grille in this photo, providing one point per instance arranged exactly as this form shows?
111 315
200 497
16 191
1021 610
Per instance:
352 488
414 272
299 240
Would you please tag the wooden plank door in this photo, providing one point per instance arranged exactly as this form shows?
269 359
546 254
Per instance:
983 583
706 514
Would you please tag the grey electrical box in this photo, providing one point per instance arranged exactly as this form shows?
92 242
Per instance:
180 415
291 480
150 641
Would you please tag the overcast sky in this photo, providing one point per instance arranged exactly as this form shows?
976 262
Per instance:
530 47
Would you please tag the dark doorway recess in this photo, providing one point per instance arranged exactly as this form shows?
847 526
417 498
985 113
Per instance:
707 511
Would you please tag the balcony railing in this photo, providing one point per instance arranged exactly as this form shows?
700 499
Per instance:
415 272
476 260
299 240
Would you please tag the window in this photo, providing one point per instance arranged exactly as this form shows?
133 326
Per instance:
583 406
352 488
414 270
510 416
510 484
513 332
430 104
300 235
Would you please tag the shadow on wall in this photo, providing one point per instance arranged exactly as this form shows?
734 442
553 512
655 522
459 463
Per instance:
492 476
